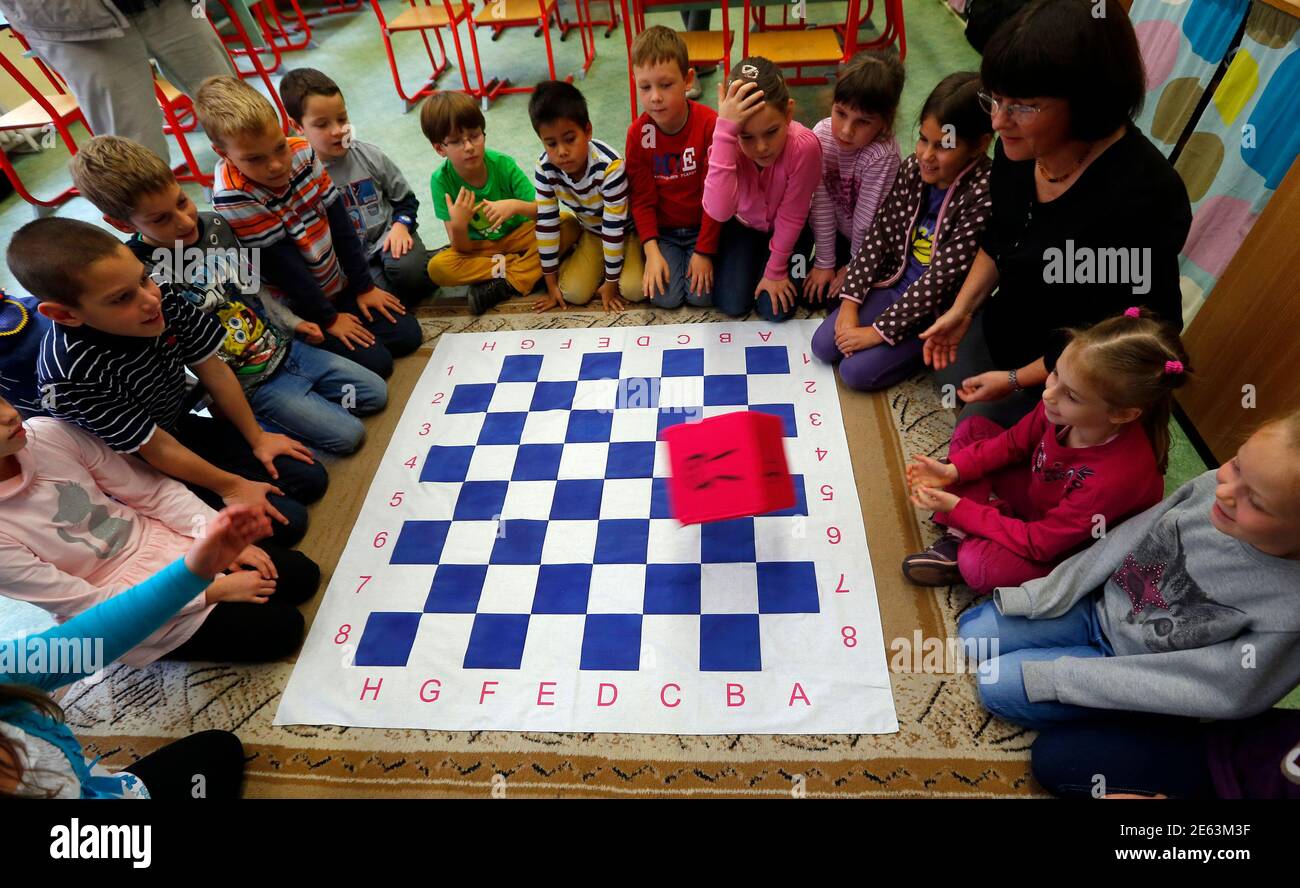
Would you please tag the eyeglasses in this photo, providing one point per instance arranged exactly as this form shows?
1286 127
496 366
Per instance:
466 141
992 105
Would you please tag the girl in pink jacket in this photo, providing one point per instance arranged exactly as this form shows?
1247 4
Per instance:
80 524
763 170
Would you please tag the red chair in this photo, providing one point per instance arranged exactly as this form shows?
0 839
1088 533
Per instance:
702 47
239 44
501 15
819 45
286 38
430 16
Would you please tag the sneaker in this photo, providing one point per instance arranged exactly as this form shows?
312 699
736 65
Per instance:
694 92
937 565
489 293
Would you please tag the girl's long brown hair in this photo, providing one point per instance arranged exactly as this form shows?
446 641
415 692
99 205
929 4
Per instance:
1127 360
11 695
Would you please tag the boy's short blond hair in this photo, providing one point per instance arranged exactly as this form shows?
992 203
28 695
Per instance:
227 106
113 173
659 44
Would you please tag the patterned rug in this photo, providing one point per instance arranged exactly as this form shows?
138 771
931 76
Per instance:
947 744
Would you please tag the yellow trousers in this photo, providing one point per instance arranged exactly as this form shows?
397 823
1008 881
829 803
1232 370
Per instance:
583 271
513 257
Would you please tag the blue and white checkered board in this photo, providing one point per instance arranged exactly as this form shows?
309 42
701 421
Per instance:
516 566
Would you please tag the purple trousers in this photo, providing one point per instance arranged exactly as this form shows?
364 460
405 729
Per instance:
876 368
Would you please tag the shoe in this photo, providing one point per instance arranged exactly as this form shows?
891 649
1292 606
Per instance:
937 565
489 293
694 92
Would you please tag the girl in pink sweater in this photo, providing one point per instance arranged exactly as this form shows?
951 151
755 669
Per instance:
1091 454
80 524
763 170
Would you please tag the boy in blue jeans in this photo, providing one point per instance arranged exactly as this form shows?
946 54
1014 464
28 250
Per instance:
305 392
114 365
278 199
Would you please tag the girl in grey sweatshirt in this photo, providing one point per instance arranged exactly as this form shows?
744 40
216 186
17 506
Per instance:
1191 608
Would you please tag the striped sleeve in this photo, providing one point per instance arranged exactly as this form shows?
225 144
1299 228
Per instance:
253 223
548 218
613 188
76 395
876 173
821 216
199 335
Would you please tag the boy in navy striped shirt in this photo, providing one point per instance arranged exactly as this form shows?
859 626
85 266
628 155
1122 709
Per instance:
587 177
114 364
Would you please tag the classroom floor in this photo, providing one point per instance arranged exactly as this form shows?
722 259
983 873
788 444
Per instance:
350 50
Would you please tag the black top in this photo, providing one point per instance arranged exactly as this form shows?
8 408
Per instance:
131 7
1130 198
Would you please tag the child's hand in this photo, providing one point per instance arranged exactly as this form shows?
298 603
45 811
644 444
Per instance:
498 212
399 240
738 100
461 209
553 299
381 301
241 585
700 274
310 332
654 281
231 532
934 500
847 319
348 330
988 386
609 297
254 494
818 284
857 339
253 558
271 444
782 291
930 472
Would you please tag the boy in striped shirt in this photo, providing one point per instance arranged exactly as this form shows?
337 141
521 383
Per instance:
279 199
114 364
585 176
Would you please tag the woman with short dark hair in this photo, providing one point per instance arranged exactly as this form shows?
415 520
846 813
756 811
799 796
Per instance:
1088 216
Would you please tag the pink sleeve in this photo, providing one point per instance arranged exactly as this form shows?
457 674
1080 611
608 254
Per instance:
722 184
802 167
877 179
1065 527
822 216
1011 447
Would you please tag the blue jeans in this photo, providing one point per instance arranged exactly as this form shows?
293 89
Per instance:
1076 633
305 398
678 246
742 256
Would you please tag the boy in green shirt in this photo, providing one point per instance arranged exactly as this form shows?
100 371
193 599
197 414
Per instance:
487 204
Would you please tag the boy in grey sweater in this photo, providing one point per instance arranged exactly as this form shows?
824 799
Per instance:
1191 608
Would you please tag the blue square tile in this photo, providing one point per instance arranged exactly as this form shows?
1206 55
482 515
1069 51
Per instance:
446 463
727 542
577 499
630 459
683 362
800 506
520 542
480 501
622 541
456 589
496 641
786 414
729 643
520 368
537 462
600 365
638 392
553 396
387 639
502 428
659 505
671 416
766 359
726 390
787 587
588 426
562 589
672 589
420 542
612 641
472 398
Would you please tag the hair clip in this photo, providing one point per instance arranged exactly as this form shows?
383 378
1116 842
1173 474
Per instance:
1174 368
1133 312
749 72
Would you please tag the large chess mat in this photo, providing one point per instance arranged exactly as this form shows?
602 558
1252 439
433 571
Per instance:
516 566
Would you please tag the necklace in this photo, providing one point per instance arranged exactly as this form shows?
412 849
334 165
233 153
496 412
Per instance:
1061 178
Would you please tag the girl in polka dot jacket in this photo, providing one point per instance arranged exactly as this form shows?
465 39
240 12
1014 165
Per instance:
920 246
